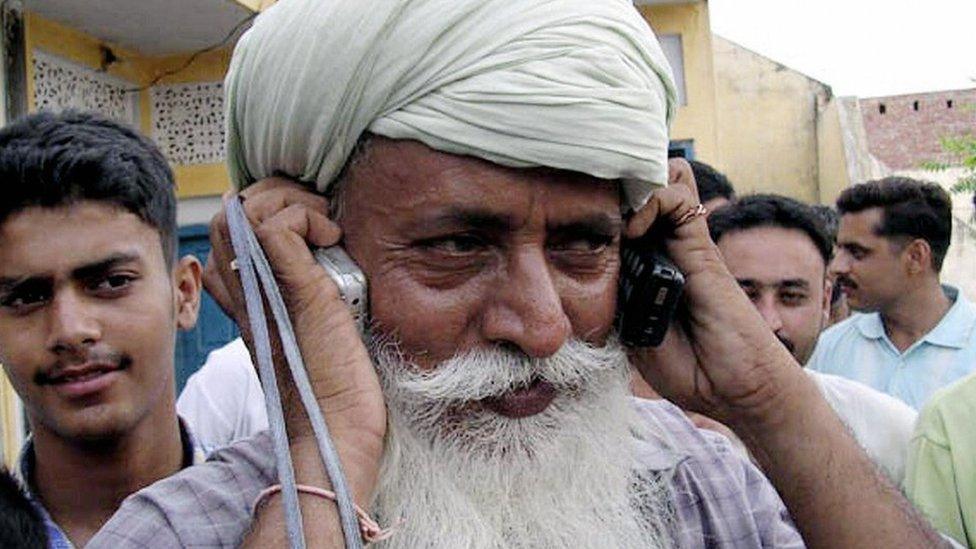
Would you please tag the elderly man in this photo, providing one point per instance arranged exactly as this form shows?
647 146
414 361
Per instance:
499 142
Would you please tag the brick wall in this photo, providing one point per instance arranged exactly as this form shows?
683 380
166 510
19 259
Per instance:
904 130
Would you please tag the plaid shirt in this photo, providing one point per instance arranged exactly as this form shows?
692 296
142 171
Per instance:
193 454
720 499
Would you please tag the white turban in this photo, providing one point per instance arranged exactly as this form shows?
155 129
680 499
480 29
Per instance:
579 85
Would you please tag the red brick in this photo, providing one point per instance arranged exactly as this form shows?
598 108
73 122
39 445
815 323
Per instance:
904 138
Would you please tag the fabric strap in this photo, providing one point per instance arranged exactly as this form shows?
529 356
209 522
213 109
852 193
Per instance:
256 275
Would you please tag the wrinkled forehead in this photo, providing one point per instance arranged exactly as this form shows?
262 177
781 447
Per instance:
408 179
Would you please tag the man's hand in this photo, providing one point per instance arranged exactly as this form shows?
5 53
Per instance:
723 361
287 220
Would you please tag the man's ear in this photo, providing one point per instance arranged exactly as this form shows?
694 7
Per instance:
187 286
918 256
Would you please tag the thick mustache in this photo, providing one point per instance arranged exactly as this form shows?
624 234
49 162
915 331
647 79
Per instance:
112 360
494 372
845 282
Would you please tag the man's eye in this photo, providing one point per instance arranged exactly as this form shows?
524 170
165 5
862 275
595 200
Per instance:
793 298
455 244
585 244
111 283
24 298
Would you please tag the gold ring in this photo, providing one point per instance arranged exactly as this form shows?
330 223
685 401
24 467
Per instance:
696 212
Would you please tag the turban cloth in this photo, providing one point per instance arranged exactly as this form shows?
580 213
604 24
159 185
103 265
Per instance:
580 85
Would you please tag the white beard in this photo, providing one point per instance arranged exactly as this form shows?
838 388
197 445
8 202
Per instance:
463 476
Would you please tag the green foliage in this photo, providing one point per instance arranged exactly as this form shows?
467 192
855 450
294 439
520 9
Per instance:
962 151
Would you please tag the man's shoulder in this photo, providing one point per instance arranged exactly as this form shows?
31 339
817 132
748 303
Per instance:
881 424
841 338
719 496
846 394
204 505
232 361
670 438
949 408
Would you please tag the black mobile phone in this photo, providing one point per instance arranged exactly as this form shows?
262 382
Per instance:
649 292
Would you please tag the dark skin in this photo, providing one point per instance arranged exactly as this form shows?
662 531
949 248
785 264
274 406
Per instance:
87 334
728 364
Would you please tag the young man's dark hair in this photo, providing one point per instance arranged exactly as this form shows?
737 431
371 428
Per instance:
910 209
20 522
51 160
711 183
768 210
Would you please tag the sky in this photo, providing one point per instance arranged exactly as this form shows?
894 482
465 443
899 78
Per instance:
865 48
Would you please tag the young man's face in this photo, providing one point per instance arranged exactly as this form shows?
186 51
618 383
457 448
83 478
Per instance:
783 274
870 269
88 315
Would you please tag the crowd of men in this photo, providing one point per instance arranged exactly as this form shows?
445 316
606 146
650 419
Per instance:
483 162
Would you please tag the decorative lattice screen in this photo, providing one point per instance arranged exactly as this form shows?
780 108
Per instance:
188 121
60 84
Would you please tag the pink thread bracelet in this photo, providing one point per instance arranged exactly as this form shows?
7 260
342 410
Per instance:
368 528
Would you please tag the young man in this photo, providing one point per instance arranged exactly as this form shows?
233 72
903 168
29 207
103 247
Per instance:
91 297
915 335
778 249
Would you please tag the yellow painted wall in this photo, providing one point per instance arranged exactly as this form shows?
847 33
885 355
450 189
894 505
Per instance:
256 5
767 123
832 161
11 425
697 119
143 72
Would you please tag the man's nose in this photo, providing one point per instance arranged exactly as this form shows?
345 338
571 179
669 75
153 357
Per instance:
770 312
72 326
526 309
839 265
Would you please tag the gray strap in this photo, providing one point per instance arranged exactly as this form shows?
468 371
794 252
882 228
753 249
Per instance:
254 268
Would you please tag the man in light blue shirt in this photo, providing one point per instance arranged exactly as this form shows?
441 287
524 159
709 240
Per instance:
914 335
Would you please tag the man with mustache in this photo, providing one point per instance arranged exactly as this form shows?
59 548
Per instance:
915 335
91 297
778 251
482 161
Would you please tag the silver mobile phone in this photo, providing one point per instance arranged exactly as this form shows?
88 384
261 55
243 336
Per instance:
349 278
